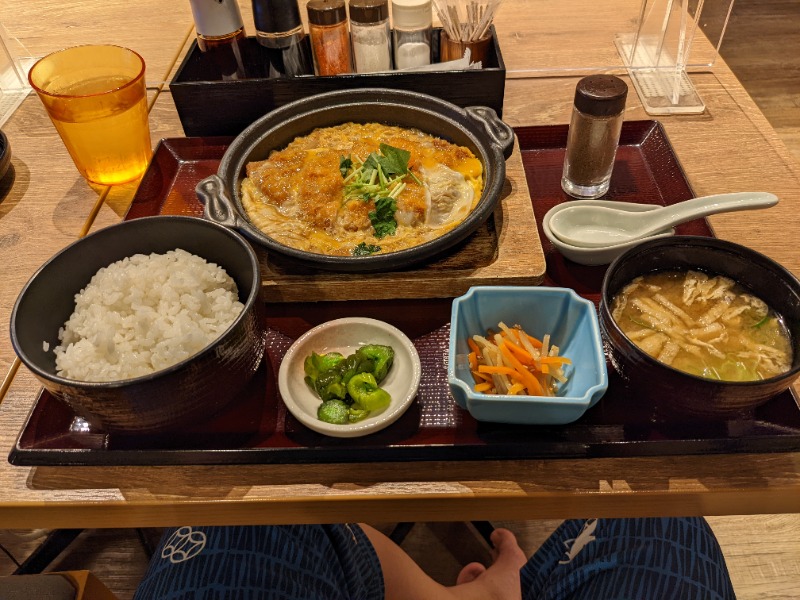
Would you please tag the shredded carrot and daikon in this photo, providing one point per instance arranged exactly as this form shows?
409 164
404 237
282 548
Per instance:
512 362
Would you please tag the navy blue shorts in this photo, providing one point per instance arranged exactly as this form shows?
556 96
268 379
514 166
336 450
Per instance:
608 559
628 559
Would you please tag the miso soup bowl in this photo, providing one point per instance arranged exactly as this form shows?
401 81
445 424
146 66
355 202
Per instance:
674 392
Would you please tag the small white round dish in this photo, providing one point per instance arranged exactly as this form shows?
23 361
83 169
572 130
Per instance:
345 336
603 255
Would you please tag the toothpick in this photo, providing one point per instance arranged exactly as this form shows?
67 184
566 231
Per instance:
477 18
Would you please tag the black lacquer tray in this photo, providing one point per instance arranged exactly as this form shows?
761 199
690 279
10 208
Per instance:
257 428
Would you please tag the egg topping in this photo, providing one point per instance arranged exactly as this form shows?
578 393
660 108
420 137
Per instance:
362 189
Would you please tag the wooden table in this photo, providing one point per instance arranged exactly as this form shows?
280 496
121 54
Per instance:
730 147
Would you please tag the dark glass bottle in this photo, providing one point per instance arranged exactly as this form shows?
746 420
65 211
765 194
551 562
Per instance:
279 29
220 31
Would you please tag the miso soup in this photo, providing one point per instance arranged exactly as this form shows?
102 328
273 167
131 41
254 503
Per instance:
707 326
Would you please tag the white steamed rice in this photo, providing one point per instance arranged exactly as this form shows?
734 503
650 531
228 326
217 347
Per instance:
144 313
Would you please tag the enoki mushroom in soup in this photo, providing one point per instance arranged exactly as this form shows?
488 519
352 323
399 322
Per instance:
360 189
704 325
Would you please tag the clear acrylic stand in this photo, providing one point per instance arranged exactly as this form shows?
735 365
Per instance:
657 53
13 82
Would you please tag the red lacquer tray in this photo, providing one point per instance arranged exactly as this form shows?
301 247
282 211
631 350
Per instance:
257 428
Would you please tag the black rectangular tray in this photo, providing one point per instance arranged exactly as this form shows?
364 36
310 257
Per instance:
199 91
257 428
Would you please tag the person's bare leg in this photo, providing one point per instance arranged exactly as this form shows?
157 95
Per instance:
405 579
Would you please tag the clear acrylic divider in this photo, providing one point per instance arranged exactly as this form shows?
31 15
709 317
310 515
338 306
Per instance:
657 42
13 81
658 53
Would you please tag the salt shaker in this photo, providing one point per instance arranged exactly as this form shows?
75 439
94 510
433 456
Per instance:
371 35
413 25
593 137
330 39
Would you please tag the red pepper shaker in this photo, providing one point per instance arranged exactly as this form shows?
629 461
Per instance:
330 38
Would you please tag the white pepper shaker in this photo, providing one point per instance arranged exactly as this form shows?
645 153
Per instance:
413 25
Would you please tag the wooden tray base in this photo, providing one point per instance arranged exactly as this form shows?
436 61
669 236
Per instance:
506 250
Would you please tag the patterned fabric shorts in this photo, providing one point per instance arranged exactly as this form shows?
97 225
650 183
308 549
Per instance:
628 559
316 562
595 559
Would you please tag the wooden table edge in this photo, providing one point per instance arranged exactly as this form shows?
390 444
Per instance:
416 508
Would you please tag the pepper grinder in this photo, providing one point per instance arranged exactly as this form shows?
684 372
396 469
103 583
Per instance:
593 137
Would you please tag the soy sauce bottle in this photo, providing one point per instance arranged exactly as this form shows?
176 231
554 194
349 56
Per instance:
220 33
279 29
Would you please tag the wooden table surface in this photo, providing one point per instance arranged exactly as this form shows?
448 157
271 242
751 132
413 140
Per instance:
730 147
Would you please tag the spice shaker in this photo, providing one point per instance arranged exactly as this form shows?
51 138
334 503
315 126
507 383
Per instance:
413 25
220 30
330 39
593 136
280 30
371 35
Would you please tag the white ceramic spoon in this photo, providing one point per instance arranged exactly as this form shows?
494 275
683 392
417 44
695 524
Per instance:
600 226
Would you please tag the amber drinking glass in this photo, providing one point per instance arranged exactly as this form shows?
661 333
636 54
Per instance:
96 98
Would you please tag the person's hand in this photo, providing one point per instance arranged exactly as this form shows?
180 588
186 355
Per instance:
500 581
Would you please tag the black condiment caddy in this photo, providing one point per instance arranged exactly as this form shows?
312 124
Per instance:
208 105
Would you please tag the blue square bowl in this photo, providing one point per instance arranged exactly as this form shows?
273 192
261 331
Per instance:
573 326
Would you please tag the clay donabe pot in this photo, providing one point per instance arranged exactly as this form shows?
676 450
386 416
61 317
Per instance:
478 128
